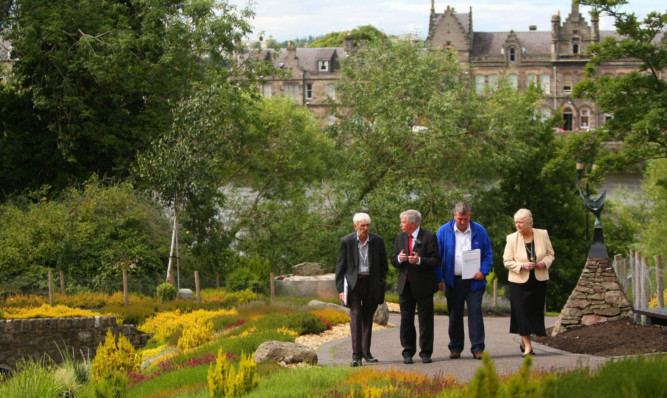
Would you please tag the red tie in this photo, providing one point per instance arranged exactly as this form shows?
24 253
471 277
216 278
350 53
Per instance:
409 252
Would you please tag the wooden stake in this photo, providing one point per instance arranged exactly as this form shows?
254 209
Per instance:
62 282
51 288
197 286
658 281
125 295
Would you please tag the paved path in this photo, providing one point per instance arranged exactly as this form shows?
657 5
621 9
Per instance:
500 344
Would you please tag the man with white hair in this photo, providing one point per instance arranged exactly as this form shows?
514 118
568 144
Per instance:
361 269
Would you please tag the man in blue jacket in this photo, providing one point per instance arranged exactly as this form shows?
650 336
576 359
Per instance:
454 238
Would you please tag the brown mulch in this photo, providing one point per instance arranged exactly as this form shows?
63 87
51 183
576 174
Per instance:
614 338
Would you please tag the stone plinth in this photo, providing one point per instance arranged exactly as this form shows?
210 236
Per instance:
315 286
598 297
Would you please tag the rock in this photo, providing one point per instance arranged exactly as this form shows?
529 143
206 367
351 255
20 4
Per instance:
288 353
315 286
381 316
309 269
185 294
317 304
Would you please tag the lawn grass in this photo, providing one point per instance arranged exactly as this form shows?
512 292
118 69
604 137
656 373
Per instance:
301 382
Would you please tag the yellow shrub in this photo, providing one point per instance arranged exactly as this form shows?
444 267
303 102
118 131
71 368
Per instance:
195 334
114 357
218 377
334 317
224 381
288 332
654 300
163 324
46 311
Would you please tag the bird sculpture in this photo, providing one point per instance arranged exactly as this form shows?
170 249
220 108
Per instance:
595 206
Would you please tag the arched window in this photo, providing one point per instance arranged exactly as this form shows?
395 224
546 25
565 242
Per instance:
575 48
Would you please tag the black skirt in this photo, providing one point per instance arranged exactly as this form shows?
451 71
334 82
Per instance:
527 302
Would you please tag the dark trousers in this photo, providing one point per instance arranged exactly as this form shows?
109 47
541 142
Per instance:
461 294
424 307
362 310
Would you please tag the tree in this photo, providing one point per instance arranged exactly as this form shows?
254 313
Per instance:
366 33
407 135
186 166
525 181
103 76
637 100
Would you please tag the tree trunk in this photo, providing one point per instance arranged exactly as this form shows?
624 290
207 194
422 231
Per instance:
170 269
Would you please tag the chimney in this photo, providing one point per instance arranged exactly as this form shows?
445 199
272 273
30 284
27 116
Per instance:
532 28
348 43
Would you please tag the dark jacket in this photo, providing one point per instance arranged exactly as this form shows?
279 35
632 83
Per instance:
423 280
347 264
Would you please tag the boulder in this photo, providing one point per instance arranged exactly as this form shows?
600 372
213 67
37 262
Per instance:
317 304
289 353
381 316
186 294
309 269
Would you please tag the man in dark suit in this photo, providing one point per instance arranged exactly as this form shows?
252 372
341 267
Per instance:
416 255
361 269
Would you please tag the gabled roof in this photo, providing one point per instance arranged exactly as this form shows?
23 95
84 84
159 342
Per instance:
492 42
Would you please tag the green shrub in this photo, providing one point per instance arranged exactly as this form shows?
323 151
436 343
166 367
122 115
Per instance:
133 314
166 292
84 232
113 386
243 279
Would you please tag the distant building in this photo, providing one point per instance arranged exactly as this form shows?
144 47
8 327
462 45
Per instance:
313 73
553 60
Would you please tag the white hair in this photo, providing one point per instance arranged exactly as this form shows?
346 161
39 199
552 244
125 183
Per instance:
525 215
359 217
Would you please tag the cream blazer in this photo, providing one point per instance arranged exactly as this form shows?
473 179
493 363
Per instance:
515 255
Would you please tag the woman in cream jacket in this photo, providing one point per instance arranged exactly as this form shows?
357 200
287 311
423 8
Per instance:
528 256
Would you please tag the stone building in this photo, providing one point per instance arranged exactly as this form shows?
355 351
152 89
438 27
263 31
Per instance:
553 60
311 74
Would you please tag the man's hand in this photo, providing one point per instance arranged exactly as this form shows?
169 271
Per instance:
414 259
341 296
402 257
479 276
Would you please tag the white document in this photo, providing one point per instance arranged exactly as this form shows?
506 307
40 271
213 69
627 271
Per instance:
345 291
472 259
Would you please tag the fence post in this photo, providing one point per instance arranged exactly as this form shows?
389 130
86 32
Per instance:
658 281
217 280
62 282
125 296
197 286
51 288
272 286
624 272
643 295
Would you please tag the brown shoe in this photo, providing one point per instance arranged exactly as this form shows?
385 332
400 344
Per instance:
478 354
454 355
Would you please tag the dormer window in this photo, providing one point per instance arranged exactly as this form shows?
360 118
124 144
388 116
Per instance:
575 48
512 54
323 65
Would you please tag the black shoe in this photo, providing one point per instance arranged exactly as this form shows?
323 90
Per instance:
530 353
370 358
408 360
355 363
522 348
427 359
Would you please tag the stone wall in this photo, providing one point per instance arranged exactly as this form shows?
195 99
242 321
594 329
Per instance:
598 297
34 338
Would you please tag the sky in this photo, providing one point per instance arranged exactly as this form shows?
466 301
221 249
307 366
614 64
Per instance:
291 19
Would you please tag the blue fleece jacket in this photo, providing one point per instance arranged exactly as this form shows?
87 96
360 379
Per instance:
479 239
